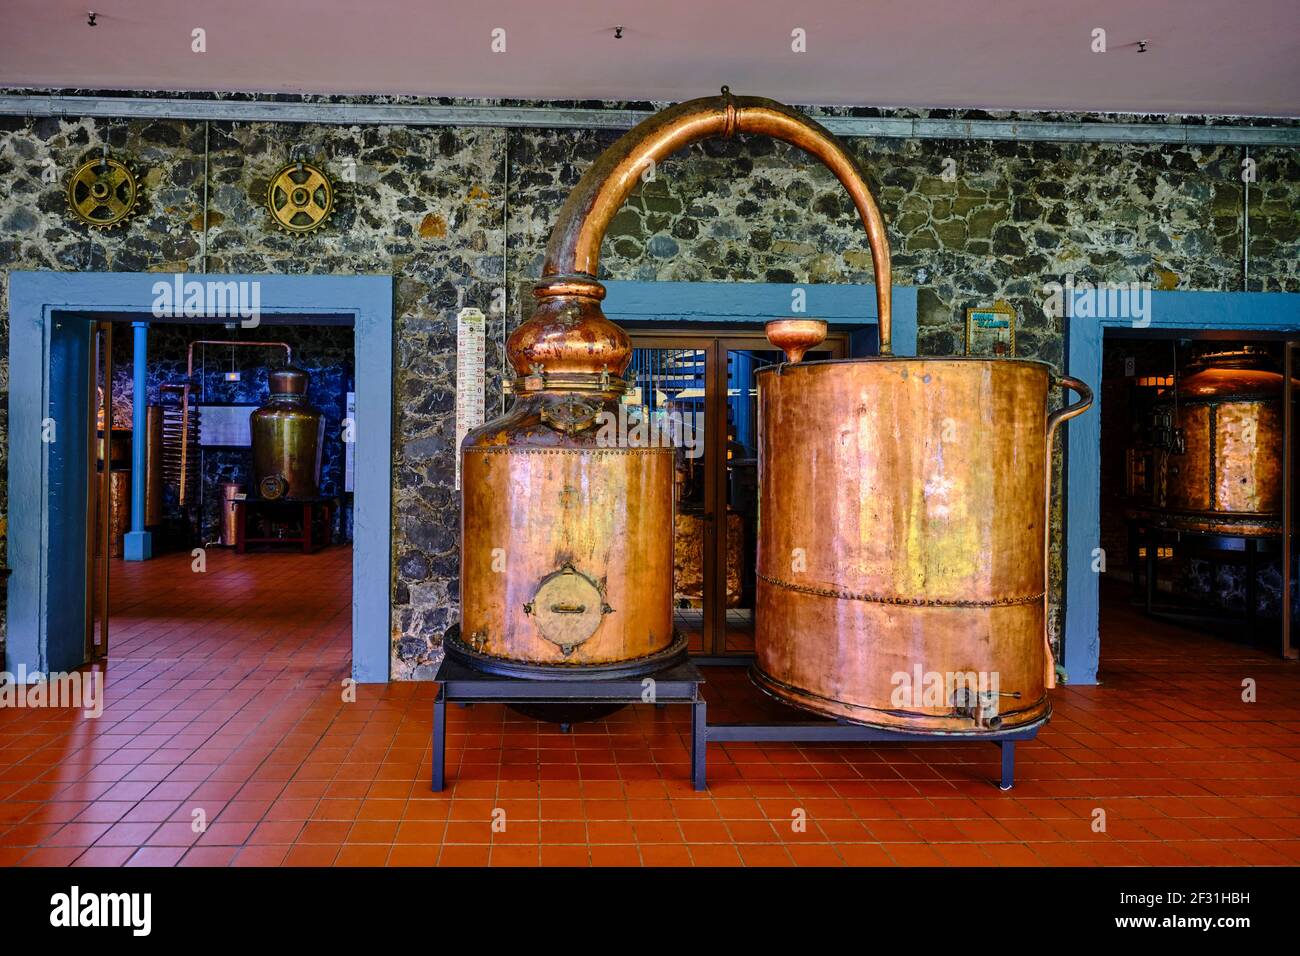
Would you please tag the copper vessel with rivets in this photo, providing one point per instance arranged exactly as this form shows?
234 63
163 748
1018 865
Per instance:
1219 436
902 553
903 585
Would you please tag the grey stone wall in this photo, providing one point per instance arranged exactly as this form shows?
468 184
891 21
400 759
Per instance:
433 207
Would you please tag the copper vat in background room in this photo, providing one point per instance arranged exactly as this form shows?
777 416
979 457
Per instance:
153 467
1217 466
229 530
902 534
119 447
119 487
287 437
119 498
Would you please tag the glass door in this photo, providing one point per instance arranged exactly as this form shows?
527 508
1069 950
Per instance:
704 382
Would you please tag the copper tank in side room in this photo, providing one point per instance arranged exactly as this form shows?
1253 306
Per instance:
287 439
1218 464
902 540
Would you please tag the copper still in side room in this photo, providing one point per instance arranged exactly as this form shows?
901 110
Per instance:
1218 432
288 437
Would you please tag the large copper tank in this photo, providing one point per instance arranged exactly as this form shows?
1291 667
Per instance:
288 437
902 540
1218 467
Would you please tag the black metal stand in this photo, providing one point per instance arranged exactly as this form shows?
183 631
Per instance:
823 731
810 730
676 684
1216 547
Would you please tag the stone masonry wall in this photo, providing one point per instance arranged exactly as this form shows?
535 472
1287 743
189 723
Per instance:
429 207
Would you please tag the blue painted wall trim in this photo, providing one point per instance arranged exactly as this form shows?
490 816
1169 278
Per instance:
35 298
722 302
1229 311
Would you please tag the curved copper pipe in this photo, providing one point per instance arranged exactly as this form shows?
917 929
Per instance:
574 247
568 291
244 343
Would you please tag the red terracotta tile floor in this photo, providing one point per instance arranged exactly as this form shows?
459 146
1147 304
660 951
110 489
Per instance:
225 706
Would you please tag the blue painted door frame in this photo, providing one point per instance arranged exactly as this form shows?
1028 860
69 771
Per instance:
48 354
1192 311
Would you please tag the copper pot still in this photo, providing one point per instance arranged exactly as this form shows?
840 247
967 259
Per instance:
567 534
1219 436
288 437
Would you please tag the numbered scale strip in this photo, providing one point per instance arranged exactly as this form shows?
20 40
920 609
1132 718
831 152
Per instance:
471 375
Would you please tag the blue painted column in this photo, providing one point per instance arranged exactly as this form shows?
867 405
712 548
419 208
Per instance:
138 543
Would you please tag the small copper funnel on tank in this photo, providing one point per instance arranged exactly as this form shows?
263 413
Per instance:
795 337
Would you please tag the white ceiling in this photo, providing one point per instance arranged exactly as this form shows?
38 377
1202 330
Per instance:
1204 56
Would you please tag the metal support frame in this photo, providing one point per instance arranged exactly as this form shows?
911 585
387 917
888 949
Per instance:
809 730
677 684
837 732
562 117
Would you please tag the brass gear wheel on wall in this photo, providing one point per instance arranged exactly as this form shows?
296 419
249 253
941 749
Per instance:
103 193
300 197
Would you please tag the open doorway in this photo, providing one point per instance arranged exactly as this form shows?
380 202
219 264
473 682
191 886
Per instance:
243 491
52 389
705 379
1197 485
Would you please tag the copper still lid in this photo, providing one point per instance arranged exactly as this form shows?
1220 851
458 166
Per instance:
288 381
1235 373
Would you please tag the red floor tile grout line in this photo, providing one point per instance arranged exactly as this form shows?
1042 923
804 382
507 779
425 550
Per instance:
224 705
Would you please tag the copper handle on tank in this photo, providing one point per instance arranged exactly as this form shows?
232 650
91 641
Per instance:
573 253
1053 420
1069 411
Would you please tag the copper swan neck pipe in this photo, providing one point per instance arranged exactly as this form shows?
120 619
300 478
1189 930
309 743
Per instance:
573 253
